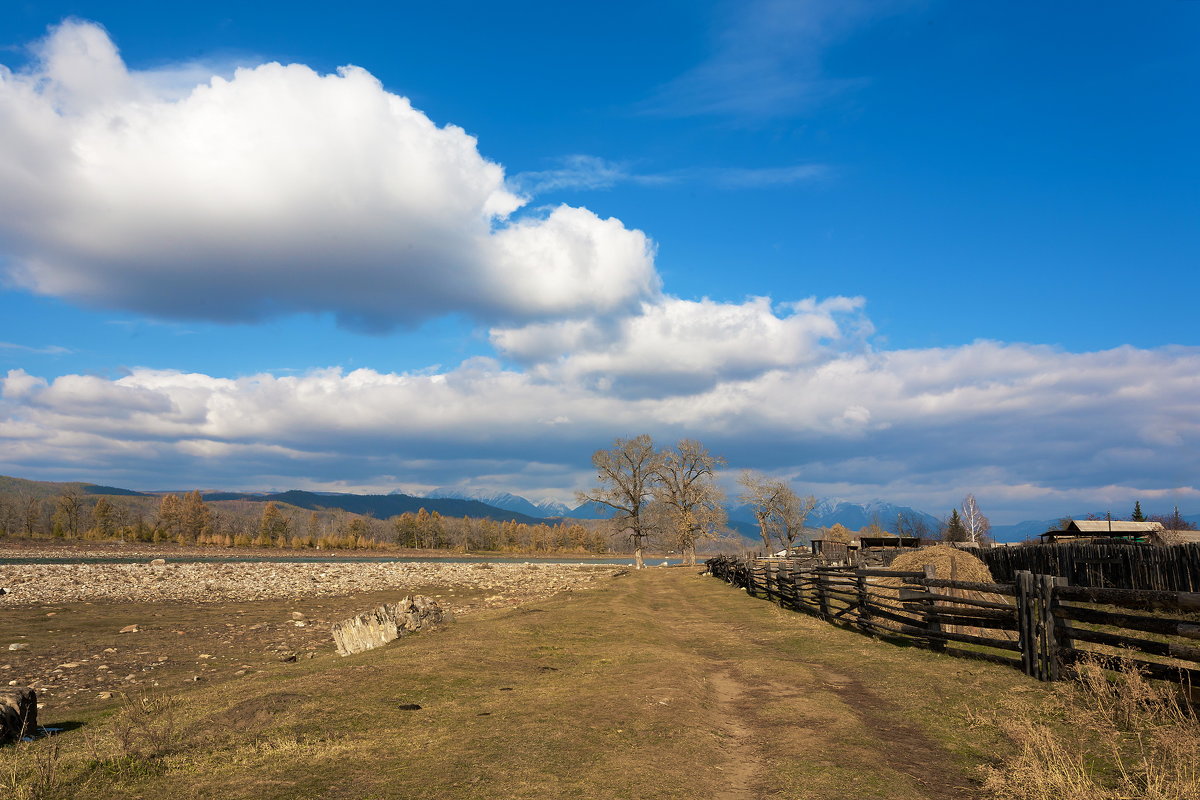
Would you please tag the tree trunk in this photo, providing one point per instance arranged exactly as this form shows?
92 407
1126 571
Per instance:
690 555
637 557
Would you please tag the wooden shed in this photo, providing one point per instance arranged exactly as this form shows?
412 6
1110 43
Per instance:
1104 529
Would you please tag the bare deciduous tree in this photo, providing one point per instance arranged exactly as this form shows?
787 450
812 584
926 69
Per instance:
627 473
973 521
793 511
689 500
780 512
910 523
762 494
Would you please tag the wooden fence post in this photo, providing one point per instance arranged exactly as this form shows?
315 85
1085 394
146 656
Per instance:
822 593
864 610
1027 622
1024 629
1058 631
932 624
1063 634
789 582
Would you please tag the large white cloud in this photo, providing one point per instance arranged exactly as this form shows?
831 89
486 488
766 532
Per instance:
676 346
1025 427
277 190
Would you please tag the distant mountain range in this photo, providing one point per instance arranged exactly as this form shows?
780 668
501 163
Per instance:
380 506
505 500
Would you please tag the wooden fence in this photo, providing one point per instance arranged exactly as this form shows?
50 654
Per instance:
1171 568
1037 623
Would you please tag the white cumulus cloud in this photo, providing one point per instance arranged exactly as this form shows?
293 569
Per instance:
1025 427
676 346
277 190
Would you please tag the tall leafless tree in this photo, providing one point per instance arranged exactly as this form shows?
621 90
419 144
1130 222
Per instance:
780 512
762 495
974 522
627 473
793 512
688 497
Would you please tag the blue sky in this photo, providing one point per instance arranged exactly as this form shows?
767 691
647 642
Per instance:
976 225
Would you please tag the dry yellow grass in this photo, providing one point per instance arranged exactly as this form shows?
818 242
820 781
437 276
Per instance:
1133 738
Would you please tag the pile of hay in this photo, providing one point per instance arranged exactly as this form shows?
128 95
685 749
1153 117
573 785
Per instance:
950 563
953 564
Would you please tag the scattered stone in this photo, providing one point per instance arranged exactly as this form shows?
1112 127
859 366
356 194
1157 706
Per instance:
69 665
158 562
288 658
387 623
409 707
110 649
104 696
19 646
297 615
18 714
129 629
50 585
299 623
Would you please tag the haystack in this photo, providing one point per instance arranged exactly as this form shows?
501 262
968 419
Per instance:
950 563
953 564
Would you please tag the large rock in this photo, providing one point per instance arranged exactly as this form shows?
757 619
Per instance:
387 623
18 714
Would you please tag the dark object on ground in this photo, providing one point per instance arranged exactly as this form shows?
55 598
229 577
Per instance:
18 714
409 707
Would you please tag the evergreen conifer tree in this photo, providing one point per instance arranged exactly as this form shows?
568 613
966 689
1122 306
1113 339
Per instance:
1138 516
955 530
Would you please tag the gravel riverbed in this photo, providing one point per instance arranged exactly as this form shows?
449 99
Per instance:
37 584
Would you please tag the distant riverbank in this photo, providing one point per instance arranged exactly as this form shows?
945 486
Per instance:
27 551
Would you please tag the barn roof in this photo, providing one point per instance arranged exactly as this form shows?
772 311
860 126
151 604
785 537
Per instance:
1116 526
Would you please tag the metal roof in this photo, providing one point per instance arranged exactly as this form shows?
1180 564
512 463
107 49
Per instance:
1116 526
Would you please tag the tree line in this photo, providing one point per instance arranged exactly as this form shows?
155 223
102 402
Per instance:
187 519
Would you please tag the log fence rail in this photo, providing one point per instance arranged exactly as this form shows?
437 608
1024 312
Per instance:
1036 623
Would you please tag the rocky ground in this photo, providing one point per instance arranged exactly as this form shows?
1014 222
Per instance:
81 633
159 580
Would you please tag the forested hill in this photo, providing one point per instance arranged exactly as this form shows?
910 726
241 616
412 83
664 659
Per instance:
380 506
11 485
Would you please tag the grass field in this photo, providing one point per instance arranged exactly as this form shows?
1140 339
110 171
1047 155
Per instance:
659 684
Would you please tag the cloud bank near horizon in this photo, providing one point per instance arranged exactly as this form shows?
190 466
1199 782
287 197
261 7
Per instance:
1024 427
